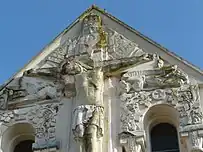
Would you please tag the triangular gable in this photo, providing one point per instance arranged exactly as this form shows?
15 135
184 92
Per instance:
150 46
96 40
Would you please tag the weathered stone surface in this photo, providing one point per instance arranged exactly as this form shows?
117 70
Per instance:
76 73
87 115
42 118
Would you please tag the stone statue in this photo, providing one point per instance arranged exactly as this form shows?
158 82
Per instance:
88 126
90 35
172 75
93 85
158 60
88 117
87 84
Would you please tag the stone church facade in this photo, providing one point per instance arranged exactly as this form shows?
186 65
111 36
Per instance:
101 86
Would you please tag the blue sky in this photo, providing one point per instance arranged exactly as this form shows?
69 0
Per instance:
26 26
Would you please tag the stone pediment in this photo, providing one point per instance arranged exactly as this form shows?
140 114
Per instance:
96 40
117 40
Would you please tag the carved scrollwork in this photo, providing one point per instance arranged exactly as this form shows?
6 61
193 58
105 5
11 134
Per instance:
120 47
158 94
43 119
6 117
140 90
134 104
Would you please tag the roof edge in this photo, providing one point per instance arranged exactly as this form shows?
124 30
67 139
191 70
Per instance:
104 12
47 45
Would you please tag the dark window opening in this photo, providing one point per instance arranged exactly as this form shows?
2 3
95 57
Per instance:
164 138
24 146
123 149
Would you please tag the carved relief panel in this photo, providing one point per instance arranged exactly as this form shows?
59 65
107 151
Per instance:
42 118
96 54
140 90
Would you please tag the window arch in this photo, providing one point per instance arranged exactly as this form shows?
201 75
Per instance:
158 118
164 138
15 136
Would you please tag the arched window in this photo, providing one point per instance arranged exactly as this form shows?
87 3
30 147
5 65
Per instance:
164 138
123 149
24 146
18 138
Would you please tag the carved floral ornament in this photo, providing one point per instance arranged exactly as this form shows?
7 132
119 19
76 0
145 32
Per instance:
140 90
42 118
183 99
